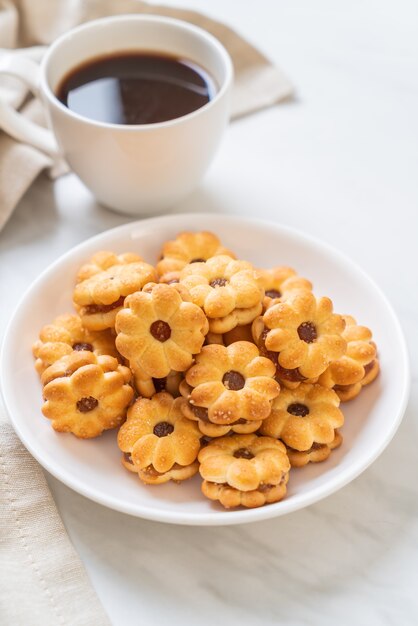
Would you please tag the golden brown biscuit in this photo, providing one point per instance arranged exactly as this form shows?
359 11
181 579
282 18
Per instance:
158 441
305 333
150 476
316 454
229 291
188 248
289 378
159 332
103 260
181 289
69 363
281 281
87 395
371 370
100 297
358 367
348 392
244 470
230 387
207 428
65 334
304 416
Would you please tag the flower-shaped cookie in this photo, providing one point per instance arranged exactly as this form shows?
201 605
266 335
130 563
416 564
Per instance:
244 470
199 414
65 334
358 367
159 332
100 297
103 260
229 291
305 332
230 384
316 454
304 416
69 363
281 281
159 443
290 378
188 248
85 394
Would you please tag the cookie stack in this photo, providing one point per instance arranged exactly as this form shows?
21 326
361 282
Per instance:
205 364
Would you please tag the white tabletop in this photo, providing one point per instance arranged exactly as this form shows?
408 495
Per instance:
339 162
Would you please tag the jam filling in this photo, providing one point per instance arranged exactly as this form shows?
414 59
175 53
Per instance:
342 387
317 446
233 381
263 336
243 453
200 412
273 293
368 367
298 409
314 446
85 405
291 375
160 330
90 309
82 346
162 429
159 384
151 471
307 332
218 282
263 487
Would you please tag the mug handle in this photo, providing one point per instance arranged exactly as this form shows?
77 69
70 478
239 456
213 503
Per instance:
13 122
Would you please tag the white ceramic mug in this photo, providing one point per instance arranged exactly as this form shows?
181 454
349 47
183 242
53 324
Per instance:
130 168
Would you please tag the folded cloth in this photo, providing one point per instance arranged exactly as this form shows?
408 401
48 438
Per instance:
24 23
42 580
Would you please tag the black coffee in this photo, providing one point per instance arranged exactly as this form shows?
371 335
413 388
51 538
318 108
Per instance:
136 88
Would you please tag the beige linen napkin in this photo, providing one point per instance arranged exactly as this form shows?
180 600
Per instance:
23 23
42 580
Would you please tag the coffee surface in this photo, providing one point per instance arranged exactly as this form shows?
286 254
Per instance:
136 88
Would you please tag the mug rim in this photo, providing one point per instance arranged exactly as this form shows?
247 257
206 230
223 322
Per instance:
174 22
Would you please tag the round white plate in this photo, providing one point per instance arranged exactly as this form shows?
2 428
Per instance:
93 468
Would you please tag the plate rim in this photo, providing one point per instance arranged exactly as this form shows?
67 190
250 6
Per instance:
240 516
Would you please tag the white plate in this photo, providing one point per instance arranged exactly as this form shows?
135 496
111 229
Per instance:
93 468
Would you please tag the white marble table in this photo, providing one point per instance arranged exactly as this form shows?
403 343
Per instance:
338 162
